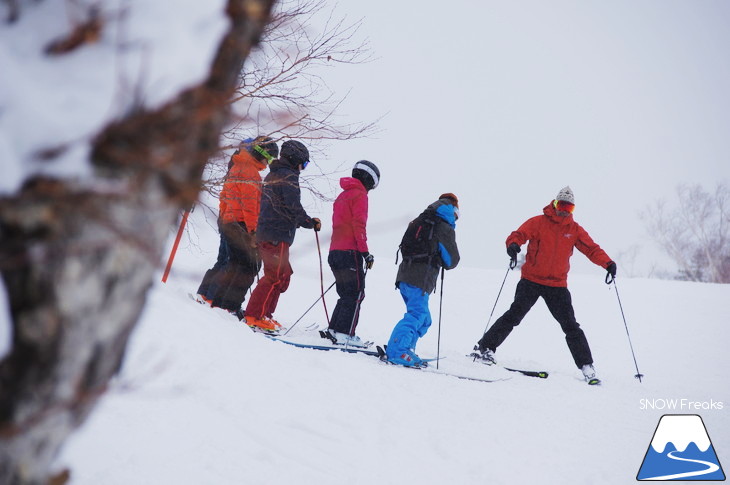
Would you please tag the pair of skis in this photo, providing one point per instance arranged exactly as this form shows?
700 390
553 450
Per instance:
380 353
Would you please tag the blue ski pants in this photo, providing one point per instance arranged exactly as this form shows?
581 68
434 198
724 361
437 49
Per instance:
414 324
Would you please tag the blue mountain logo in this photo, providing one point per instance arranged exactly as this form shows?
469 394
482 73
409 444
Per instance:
681 450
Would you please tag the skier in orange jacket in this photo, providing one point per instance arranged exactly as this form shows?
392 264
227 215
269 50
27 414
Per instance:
226 284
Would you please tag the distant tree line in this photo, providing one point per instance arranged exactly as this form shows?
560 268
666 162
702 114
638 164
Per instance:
694 232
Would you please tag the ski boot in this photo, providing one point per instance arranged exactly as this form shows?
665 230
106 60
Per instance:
485 356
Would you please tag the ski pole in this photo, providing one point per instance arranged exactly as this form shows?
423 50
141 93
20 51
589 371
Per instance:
180 231
441 303
610 280
311 306
321 278
512 265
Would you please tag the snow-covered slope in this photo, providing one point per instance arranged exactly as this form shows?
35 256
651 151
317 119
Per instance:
202 399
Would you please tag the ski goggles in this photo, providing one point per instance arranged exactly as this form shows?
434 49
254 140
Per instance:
264 153
563 206
304 164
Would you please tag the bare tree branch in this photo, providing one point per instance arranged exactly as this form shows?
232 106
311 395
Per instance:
695 234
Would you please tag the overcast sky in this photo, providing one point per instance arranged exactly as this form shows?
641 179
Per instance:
504 103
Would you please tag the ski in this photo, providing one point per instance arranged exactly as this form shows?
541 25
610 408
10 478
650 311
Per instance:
197 299
531 373
425 368
466 378
594 382
325 335
384 358
268 333
541 374
324 346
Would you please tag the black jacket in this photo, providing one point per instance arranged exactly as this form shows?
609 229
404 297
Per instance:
281 207
423 275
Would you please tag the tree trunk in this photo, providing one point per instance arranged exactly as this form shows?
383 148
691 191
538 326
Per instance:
77 261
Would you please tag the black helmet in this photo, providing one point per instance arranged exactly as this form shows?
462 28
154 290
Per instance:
264 149
295 153
367 173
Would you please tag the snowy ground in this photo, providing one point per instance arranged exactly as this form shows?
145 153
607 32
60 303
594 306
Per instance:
202 399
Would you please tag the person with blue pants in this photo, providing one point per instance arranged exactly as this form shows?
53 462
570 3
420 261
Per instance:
433 233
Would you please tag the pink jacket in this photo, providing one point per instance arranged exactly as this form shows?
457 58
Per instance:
350 217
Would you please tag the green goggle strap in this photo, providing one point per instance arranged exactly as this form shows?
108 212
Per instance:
264 153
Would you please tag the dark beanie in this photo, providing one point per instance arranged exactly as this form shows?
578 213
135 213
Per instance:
294 152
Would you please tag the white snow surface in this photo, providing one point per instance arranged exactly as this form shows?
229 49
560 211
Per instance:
202 399
147 54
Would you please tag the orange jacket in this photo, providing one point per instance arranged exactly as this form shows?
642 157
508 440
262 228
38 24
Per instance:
240 197
552 239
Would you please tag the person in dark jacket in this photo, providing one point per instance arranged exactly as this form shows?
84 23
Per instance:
552 236
416 280
349 253
280 216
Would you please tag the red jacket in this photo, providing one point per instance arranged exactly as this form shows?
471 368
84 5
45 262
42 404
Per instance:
552 239
350 216
240 198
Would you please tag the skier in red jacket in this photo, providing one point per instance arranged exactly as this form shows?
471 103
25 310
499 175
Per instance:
552 237
349 255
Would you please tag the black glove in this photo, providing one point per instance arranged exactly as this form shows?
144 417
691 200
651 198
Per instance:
317 224
611 268
369 260
512 251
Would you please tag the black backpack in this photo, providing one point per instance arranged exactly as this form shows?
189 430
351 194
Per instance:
418 244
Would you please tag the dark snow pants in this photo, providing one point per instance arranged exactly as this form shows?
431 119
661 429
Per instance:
209 287
347 266
559 303
240 271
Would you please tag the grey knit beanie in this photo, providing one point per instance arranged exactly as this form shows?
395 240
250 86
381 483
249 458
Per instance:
566 194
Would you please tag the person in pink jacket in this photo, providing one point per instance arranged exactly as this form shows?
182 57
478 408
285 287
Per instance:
349 256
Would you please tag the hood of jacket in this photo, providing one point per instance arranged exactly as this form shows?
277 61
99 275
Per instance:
350 183
552 214
280 165
445 211
245 158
